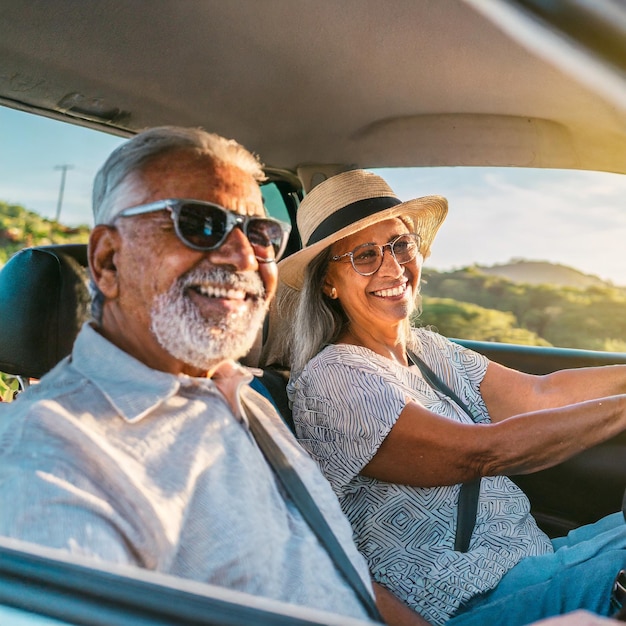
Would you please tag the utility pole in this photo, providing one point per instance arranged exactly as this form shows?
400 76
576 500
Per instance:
63 169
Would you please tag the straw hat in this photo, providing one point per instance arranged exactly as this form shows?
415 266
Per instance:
348 203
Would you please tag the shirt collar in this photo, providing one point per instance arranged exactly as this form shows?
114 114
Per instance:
132 388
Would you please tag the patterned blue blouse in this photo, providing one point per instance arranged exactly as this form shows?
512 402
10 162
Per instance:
345 402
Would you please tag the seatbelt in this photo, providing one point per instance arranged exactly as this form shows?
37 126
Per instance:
303 500
467 507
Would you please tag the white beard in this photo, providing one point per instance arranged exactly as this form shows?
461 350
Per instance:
199 341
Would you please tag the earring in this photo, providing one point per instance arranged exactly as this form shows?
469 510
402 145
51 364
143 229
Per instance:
333 293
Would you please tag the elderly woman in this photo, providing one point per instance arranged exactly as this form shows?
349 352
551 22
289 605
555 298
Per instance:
400 418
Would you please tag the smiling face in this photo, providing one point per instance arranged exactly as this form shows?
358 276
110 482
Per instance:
174 308
377 305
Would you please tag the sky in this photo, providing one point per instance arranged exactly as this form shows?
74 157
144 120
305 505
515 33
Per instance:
496 214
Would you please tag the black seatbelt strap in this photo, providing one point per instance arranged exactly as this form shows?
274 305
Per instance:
467 510
303 500
468 495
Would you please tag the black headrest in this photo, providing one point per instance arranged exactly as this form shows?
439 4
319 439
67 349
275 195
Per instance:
44 300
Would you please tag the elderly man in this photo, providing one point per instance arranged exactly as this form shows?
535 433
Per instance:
141 447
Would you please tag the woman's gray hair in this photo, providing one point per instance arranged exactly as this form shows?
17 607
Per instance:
137 152
317 319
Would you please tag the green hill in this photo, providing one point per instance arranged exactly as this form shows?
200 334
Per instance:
543 273
20 228
590 318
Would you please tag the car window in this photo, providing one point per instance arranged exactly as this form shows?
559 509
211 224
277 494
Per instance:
275 202
525 256
48 166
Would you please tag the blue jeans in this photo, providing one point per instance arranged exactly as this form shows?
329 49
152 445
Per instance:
579 575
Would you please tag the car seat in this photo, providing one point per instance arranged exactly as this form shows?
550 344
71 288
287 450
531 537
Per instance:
44 300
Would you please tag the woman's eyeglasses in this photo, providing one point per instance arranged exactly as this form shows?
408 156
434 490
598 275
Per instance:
205 226
367 258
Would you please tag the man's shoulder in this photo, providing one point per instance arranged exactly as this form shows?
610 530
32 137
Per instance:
38 416
272 384
51 391
277 427
64 393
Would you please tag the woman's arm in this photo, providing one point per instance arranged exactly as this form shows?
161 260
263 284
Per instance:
424 449
394 611
508 392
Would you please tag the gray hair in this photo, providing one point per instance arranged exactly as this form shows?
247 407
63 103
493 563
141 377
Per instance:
136 153
318 320
97 302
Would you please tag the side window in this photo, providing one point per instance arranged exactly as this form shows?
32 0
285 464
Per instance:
47 168
525 256
46 174
275 202
281 200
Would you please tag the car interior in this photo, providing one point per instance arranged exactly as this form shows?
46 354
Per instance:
316 88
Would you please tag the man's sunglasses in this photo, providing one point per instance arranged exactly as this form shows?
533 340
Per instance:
205 226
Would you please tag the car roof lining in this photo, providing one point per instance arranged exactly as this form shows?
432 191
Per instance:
357 82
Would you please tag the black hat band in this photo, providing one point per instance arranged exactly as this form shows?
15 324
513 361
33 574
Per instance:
349 214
